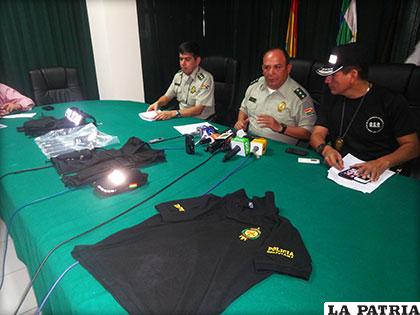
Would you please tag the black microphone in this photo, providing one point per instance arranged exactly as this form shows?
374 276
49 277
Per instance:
189 144
231 153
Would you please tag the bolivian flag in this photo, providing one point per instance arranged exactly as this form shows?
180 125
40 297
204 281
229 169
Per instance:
348 23
291 37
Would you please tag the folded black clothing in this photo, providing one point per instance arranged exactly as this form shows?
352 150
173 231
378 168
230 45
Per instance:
86 166
39 127
135 151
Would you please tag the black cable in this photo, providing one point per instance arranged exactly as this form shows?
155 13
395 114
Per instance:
158 140
9 223
25 170
29 286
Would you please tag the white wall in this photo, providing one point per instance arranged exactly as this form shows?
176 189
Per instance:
116 49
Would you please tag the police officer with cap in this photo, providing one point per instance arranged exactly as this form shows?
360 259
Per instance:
275 106
192 86
361 118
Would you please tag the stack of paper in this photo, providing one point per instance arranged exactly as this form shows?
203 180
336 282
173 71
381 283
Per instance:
21 115
191 128
149 116
350 160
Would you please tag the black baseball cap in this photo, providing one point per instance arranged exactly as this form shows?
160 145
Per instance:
345 55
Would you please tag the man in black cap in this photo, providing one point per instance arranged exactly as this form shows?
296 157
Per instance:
360 118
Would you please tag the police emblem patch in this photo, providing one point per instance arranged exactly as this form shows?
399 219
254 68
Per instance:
281 107
300 93
193 89
250 234
205 86
375 124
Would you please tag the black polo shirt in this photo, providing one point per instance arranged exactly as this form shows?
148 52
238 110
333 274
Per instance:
197 255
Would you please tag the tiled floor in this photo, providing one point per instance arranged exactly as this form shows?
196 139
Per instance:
15 281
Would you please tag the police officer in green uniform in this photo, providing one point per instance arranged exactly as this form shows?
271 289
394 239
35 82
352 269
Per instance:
192 86
275 106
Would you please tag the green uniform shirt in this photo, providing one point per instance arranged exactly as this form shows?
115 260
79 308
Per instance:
194 89
290 104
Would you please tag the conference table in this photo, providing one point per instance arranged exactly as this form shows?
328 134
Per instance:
364 247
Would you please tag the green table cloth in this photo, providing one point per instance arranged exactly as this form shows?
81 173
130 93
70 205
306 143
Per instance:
364 247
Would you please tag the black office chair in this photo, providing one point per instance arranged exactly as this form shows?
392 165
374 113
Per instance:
55 85
413 97
225 73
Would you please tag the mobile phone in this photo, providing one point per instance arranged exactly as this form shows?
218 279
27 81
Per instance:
297 151
351 173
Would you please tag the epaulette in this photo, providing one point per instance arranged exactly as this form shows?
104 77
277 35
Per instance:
300 93
255 81
200 76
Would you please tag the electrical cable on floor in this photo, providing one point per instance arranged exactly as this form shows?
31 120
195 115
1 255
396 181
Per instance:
29 286
9 223
25 170
51 289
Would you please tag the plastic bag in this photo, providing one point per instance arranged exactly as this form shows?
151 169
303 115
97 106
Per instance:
60 141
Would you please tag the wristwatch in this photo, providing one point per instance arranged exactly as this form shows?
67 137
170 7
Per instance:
178 114
320 148
283 128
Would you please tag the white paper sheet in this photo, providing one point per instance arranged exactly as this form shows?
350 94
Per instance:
350 160
149 116
21 115
191 128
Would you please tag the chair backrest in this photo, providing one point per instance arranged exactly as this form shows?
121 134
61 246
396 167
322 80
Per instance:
225 74
393 76
301 70
303 73
55 85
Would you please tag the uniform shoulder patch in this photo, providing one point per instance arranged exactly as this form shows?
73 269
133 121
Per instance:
309 110
300 93
253 82
200 76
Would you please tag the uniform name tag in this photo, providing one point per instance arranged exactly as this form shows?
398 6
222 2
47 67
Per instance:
252 99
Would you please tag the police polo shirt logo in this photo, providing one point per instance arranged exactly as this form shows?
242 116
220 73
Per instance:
250 234
179 207
375 124
275 250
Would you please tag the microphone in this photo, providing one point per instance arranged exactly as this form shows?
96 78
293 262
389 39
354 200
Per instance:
230 154
189 144
220 141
